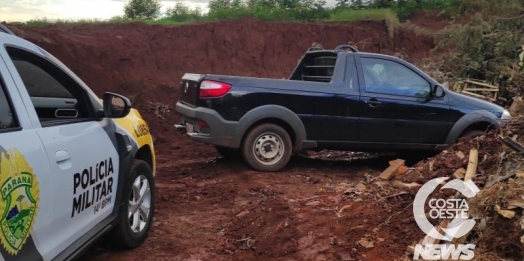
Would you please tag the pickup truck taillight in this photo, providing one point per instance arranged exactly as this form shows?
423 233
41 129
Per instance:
213 89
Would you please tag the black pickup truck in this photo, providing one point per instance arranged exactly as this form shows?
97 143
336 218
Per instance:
339 99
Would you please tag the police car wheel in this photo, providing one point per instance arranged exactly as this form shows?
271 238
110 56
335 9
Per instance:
136 217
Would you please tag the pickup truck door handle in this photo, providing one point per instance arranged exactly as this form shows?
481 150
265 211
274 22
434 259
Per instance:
63 158
373 102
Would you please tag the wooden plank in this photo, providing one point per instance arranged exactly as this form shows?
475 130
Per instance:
517 147
392 170
459 173
481 89
472 164
482 84
474 94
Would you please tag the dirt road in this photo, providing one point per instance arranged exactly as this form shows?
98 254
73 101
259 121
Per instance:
317 209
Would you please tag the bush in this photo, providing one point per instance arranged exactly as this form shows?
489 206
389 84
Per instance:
142 9
488 47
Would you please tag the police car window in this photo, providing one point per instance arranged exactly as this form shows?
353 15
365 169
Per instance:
7 119
57 98
38 82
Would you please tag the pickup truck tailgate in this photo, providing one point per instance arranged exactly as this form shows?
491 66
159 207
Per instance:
189 88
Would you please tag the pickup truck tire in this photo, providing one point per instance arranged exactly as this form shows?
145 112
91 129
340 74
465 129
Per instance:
267 147
228 153
134 225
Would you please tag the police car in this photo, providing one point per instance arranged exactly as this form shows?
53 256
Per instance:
73 167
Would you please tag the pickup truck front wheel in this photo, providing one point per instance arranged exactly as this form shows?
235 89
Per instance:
267 147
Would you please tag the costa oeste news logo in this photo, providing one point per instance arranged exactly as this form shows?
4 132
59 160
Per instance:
455 209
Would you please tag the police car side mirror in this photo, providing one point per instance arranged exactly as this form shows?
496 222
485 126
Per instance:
116 105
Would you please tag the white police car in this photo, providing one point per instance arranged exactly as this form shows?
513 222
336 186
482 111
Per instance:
72 167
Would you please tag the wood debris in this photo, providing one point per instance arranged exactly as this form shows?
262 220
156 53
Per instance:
510 143
513 204
472 164
480 89
517 106
412 185
459 173
365 243
361 187
396 167
505 213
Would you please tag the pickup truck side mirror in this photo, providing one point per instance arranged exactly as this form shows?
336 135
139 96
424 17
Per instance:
438 91
116 105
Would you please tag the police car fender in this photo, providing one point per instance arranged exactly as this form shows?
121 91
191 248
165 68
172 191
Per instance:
136 127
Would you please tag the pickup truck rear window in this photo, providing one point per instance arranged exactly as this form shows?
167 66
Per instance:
317 68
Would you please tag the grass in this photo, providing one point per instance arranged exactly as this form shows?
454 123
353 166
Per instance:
335 16
363 14
115 20
350 15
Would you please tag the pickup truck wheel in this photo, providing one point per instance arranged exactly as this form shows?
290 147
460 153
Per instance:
267 147
137 215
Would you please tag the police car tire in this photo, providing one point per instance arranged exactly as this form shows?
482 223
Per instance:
122 236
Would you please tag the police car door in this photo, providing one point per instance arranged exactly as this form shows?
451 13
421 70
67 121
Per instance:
26 198
81 150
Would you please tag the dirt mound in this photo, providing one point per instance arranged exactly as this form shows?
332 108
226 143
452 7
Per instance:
455 157
146 62
499 175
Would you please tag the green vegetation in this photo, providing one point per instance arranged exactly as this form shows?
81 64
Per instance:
363 14
489 47
149 11
142 9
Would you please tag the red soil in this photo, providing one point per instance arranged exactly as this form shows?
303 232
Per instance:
211 209
431 20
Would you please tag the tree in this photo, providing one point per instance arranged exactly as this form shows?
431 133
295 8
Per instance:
342 4
216 5
182 12
142 9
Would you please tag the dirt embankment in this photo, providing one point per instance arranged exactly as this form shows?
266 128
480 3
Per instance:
146 62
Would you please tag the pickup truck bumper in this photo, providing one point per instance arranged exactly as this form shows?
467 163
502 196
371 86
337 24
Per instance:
206 126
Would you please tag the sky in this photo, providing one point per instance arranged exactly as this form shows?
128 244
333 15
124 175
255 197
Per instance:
24 10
